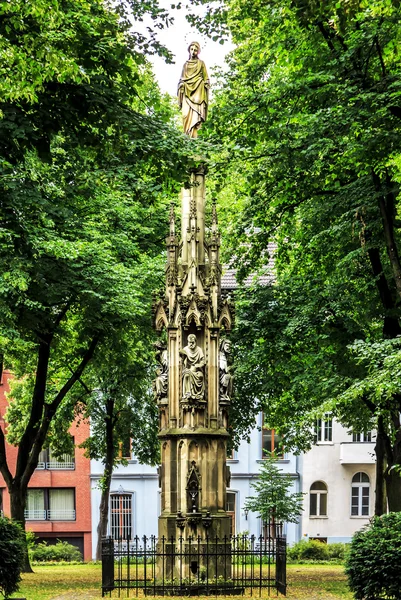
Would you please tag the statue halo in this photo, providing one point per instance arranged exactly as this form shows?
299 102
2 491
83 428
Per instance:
192 35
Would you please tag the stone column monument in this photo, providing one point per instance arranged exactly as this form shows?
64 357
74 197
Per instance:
193 386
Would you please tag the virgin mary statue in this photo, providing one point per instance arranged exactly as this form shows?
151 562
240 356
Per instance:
193 92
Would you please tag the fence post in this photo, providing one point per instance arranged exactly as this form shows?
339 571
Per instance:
107 565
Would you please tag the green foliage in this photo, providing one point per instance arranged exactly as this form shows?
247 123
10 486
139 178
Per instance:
30 539
337 550
374 560
89 160
121 377
61 551
12 551
273 500
312 550
307 123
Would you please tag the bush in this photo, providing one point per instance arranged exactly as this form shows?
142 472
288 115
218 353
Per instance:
308 550
337 550
62 551
12 552
373 564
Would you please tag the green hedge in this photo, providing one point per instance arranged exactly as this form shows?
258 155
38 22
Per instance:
313 550
12 552
61 551
373 564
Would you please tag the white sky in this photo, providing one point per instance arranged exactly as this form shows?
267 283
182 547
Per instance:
177 38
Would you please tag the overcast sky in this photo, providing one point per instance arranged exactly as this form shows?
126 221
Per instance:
177 38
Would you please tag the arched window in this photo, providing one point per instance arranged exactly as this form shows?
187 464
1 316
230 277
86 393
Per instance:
318 499
360 492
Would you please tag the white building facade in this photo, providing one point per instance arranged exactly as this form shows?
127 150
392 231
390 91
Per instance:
135 496
337 477
338 480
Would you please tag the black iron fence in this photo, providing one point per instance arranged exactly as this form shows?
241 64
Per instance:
195 566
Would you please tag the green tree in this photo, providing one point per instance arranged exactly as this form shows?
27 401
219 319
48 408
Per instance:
122 410
273 501
309 114
86 167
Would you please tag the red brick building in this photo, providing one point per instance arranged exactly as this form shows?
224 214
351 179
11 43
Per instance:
58 504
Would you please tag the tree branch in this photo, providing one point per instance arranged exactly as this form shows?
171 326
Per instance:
5 471
50 410
379 53
386 211
326 36
38 401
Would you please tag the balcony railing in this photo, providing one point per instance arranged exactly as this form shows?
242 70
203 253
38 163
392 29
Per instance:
35 515
50 515
61 515
65 463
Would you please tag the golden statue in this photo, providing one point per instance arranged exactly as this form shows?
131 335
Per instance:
193 92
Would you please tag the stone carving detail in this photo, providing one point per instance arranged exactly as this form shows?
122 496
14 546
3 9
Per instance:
193 378
160 384
228 476
180 520
225 371
193 488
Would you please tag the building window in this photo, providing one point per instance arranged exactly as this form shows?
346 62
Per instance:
124 448
47 460
231 454
230 508
362 437
318 499
121 516
272 442
360 495
1 503
324 429
54 504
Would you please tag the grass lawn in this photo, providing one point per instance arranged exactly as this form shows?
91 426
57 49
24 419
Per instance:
82 582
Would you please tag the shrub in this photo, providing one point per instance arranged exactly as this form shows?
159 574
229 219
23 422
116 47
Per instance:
62 551
308 550
12 552
337 550
373 564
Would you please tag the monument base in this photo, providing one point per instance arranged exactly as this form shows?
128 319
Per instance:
199 550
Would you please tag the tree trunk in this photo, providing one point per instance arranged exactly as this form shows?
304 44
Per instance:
392 473
17 505
380 492
108 472
393 485
104 514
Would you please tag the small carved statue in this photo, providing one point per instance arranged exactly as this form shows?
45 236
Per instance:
193 92
226 370
160 384
193 379
193 486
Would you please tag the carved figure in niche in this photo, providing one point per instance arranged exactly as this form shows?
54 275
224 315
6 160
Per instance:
226 370
193 92
160 384
193 379
193 486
